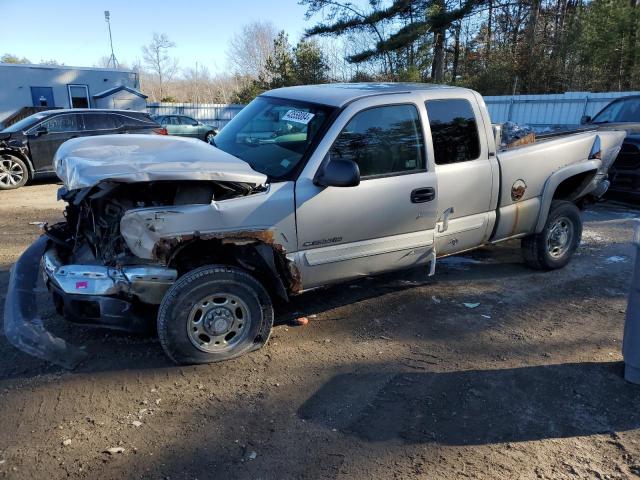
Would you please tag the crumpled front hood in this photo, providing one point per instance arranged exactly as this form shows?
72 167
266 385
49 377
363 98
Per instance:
87 161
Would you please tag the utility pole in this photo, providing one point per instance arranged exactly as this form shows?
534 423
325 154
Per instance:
112 59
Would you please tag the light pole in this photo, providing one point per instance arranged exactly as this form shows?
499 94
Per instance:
112 58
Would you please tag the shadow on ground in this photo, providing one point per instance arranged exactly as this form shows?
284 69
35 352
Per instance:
478 406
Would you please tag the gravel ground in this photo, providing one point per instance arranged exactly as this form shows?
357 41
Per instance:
393 378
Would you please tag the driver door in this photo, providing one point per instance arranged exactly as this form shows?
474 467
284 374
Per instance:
386 222
189 127
43 147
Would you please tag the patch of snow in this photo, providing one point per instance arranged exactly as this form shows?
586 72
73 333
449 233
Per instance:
616 259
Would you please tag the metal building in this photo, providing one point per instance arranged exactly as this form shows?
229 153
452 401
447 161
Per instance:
25 89
549 111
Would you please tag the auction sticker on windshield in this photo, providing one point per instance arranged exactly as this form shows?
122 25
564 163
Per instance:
298 116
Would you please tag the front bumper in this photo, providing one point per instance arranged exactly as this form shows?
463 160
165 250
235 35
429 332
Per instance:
147 284
22 325
88 294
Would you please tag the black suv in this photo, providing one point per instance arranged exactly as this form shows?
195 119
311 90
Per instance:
623 114
28 146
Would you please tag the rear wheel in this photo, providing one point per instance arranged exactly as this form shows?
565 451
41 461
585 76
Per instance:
209 136
13 172
214 313
555 245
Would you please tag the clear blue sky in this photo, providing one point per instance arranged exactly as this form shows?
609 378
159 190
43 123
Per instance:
74 31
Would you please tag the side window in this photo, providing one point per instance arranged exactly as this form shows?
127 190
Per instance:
99 121
187 121
383 141
173 121
62 123
454 131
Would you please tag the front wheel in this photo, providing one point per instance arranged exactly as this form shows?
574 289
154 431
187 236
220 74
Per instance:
214 313
13 172
555 245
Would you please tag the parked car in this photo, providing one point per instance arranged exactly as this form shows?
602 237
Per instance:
183 126
623 114
200 239
28 146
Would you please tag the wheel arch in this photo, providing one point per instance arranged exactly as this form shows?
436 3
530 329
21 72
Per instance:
22 156
266 261
569 184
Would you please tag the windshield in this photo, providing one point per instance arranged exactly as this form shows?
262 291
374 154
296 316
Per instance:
627 110
272 134
25 123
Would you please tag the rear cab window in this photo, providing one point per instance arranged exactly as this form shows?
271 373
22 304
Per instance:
383 141
454 131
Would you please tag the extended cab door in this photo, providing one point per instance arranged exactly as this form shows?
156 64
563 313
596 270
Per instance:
47 136
387 221
468 175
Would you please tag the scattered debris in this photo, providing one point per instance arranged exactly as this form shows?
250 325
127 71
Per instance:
384 338
471 305
301 321
114 450
38 224
435 299
136 423
485 316
142 411
66 442
158 401
459 262
252 456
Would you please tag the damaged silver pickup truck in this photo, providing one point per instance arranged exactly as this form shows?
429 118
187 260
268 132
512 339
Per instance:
305 187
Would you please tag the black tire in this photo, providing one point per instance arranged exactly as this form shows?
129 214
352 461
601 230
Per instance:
549 249
189 295
14 172
208 136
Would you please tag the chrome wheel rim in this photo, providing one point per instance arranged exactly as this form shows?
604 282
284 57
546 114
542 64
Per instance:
218 322
560 237
209 137
11 172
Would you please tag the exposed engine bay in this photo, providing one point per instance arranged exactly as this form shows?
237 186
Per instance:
91 234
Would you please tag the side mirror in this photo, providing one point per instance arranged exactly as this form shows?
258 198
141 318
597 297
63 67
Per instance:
40 131
585 119
337 172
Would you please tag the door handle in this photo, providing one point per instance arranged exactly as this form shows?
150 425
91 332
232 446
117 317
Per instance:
421 195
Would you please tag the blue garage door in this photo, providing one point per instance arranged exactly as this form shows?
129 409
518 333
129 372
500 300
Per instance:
42 96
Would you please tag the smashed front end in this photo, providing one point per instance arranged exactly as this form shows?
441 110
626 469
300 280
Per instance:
86 263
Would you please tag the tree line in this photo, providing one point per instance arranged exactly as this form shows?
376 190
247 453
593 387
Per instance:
497 47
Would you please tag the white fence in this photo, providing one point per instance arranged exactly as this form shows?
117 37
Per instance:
214 114
538 111
541 111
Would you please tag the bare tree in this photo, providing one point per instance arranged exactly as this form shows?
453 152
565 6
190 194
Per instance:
250 48
156 58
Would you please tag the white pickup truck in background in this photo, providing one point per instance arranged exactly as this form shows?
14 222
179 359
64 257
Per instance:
306 186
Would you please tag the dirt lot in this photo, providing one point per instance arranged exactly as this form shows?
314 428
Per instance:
393 378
